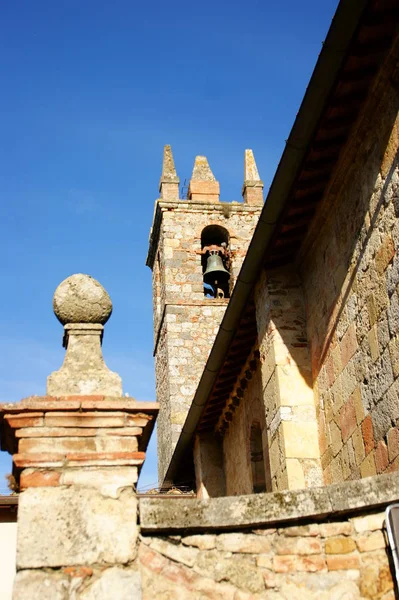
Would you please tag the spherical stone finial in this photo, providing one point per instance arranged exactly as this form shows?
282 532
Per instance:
81 299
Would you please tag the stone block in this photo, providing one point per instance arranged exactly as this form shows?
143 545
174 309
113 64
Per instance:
373 541
340 545
368 434
348 420
371 522
381 457
367 468
298 546
116 583
358 446
300 440
384 255
393 443
334 529
108 480
177 552
348 345
202 542
340 562
75 526
34 478
288 564
246 543
32 584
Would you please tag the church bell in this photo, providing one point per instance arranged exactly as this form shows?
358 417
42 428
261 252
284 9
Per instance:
215 271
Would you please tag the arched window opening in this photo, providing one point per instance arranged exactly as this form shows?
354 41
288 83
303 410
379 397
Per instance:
215 261
257 459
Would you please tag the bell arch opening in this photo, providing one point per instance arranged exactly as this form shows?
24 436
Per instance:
257 459
215 261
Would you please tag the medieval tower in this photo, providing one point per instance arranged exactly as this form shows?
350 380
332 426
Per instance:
197 246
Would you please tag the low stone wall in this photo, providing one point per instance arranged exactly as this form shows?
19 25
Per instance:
332 560
321 543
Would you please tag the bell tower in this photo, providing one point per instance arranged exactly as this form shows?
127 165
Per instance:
197 246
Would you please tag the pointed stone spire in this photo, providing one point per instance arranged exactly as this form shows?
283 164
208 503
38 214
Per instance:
169 182
252 190
203 185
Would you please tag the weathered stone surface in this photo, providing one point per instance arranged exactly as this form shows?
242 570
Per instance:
109 481
263 509
68 526
31 585
114 584
81 299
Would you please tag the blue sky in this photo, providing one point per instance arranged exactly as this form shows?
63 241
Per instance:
91 92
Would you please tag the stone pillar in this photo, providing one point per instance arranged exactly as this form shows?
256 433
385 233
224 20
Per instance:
252 190
287 382
77 458
203 185
209 471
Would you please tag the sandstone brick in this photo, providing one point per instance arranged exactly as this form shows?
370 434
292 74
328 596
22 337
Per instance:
88 419
381 457
288 564
394 354
33 419
348 419
338 562
334 529
358 446
368 434
376 581
367 468
179 553
340 545
202 541
393 443
384 255
110 481
359 409
371 522
38 479
336 438
373 343
244 543
264 561
373 541
298 545
311 530
348 345
29 584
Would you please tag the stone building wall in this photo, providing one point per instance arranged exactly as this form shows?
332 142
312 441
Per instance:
237 464
185 321
291 426
350 271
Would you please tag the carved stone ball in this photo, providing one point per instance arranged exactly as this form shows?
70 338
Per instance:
81 299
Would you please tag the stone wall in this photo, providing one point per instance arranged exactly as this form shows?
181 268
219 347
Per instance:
236 440
285 373
350 271
185 321
322 543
